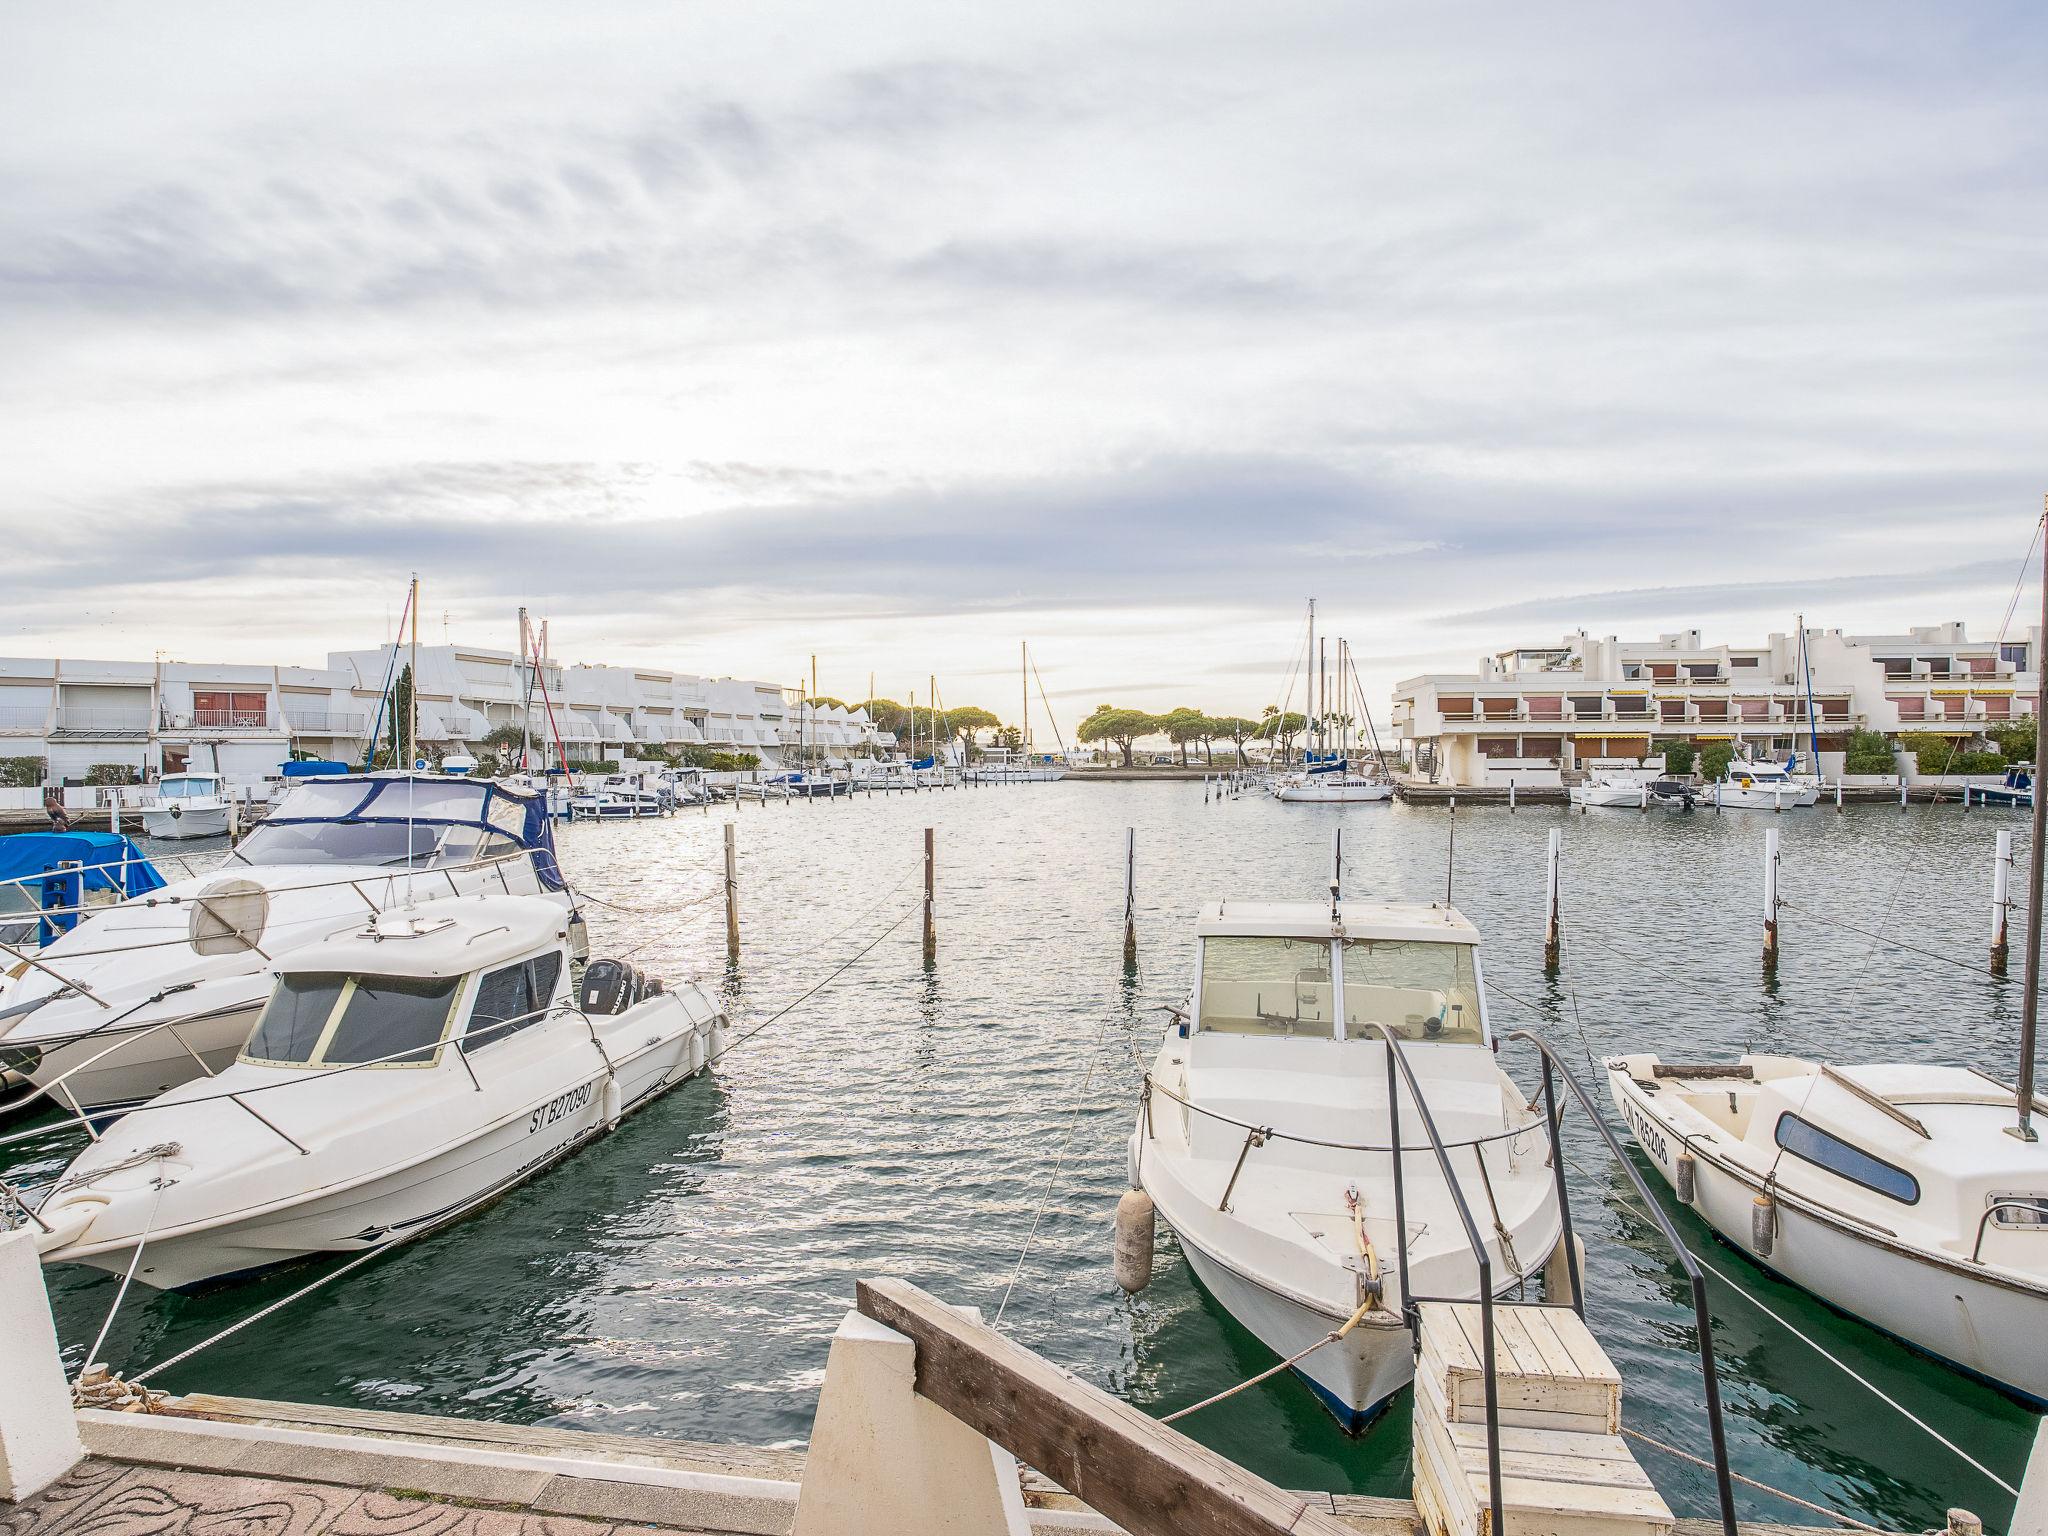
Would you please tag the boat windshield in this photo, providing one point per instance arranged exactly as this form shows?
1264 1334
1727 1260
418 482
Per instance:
1267 986
320 1018
1420 990
184 788
427 844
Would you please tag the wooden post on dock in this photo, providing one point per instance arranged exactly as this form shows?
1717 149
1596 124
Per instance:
1771 901
2001 905
1130 897
234 819
1551 924
931 932
732 888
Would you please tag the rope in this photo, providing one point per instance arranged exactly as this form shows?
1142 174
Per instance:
688 904
1790 1498
121 1294
1846 1369
1872 933
1328 1338
364 1258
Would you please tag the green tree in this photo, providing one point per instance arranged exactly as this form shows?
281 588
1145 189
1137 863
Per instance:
1121 728
1678 757
400 722
2017 739
965 721
102 775
1010 738
1715 757
1282 729
1869 752
1183 726
1239 730
21 772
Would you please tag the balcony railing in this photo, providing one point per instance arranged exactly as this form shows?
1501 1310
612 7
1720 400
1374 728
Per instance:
325 722
25 719
103 722
223 720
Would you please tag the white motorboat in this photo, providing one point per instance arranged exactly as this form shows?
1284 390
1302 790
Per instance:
164 987
1000 765
619 797
188 805
1763 786
1264 1139
2016 793
401 1074
1892 1192
1616 787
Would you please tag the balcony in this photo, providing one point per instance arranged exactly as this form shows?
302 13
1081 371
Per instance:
222 720
24 719
82 724
323 722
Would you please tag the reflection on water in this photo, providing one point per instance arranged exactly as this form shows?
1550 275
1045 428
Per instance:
684 1275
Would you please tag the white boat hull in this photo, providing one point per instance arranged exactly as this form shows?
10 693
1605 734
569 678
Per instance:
1354 1377
1988 1328
179 823
1312 793
106 1075
1629 796
1784 797
418 1198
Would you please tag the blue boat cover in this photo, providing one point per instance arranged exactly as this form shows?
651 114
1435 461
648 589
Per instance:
429 800
107 862
312 768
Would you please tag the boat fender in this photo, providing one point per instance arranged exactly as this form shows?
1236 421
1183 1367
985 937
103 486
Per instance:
1763 1223
613 1102
1134 1237
1684 1177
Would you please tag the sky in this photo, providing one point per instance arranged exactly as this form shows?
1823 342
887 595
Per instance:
724 335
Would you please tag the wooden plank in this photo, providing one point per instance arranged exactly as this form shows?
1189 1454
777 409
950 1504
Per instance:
1543 1329
1147 1477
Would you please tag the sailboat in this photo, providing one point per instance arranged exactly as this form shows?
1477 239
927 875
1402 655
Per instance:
1328 776
1000 765
1752 785
1914 1197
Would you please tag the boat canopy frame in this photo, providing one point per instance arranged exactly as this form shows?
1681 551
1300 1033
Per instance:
527 820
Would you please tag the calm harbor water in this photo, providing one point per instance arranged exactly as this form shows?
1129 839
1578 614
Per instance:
684 1275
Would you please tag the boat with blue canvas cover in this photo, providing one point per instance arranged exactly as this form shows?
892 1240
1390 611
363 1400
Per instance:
49 879
161 987
2016 793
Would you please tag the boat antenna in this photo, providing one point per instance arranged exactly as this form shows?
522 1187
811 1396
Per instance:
2030 995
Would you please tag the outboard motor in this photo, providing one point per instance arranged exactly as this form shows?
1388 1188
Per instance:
611 986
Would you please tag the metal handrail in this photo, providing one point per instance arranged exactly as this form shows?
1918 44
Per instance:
1397 1057
1695 1277
1977 1248
1150 1085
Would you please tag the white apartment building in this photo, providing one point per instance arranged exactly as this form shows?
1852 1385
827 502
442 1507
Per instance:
1536 711
243 721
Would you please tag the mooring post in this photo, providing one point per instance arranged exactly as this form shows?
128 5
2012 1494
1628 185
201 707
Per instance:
1838 796
114 814
234 819
1966 799
1550 921
2001 906
1130 896
931 933
732 888
1511 795
1771 901
1902 791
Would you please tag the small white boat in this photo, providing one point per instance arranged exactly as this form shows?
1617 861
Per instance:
1264 1136
165 986
1633 791
188 805
620 798
2016 793
1763 786
1892 1192
400 1075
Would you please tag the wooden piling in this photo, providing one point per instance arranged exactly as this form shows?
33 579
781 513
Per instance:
1130 897
931 932
1838 797
1551 924
732 891
1771 901
2001 904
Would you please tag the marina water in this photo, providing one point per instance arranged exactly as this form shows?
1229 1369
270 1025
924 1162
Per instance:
683 1276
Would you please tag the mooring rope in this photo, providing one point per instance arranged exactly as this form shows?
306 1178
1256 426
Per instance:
1274 1370
1896 943
1762 1487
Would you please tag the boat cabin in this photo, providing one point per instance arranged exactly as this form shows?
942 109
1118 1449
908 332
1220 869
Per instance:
397 991
188 786
1303 970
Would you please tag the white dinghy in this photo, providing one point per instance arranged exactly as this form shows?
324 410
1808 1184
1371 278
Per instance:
164 987
401 1075
1264 1138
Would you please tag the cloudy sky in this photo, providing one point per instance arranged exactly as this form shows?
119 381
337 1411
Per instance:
727 333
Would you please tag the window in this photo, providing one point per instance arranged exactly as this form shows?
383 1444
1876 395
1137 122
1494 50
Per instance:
1420 990
339 842
295 1017
391 1018
1267 986
1742 661
2029 1211
513 997
2014 651
324 1019
1810 1143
